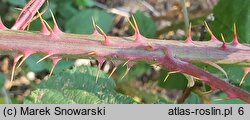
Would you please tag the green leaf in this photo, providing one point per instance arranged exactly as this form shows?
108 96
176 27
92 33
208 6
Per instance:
230 101
67 10
193 99
145 24
228 12
36 25
136 71
36 67
53 6
174 81
17 2
86 97
77 86
63 65
1 80
82 23
85 3
48 96
234 73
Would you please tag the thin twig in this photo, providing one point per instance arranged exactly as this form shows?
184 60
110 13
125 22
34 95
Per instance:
185 14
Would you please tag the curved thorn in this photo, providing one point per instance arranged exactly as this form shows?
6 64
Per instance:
208 92
235 31
189 38
98 71
133 27
44 29
125 63
126 72
235 41
56 29
208 29
106 40
213 38
25 56
223 46
112 72
165 79
93 22
53 17
190 29
95 32
45 57
246 71
47 24
227 98
19 9
55 60
92 53
137 35
28 27
16 59
103 33
136 26
215 65
223 39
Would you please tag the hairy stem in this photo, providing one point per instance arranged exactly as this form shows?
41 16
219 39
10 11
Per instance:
172 55
73 45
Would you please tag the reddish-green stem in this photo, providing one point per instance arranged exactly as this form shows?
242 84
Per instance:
172 55
151 50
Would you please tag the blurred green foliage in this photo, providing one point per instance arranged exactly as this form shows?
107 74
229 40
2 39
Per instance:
145 23
81 22
228 12
1 80
1 86
16 2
